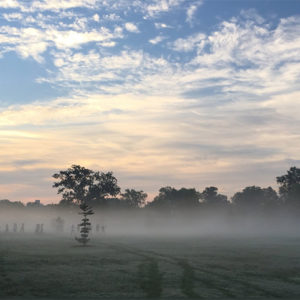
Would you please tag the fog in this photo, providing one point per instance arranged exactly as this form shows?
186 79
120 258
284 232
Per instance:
142 222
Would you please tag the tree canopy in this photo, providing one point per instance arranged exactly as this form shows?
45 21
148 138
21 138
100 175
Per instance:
289 186
255 197
78 184
172 198
210 196
5 203
133 198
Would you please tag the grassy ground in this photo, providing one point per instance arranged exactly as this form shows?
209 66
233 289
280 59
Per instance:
135 267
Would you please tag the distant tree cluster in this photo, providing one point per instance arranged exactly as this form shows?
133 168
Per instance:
7 204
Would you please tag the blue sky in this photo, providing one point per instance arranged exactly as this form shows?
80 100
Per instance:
162 92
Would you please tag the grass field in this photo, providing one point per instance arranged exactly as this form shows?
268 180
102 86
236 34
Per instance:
139 267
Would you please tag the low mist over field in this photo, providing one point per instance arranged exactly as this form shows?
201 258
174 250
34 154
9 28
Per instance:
142 253
202 222
185 211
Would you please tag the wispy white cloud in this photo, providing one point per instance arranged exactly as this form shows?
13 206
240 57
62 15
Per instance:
111 17
155 7
190 13
191 43
161 25
42 5
241 57
12 17
151 8
251 14
157 39
57 4
9 4
96 18
116 74
131 27
254 59
27 42
33 42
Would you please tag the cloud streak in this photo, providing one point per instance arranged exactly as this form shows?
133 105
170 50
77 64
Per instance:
134 138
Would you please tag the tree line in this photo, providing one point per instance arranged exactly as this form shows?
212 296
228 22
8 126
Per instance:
79 185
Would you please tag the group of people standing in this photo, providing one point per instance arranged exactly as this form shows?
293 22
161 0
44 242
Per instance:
39 228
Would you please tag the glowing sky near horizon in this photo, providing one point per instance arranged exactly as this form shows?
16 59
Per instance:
161 92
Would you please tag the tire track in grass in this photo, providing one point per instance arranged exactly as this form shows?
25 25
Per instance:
148 254
188 279
2 270
209 283
6 285
150 278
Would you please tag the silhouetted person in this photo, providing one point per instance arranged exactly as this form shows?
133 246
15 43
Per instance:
103 229
6 228
22 229
37 228
41 228
72 229
59 224
15 228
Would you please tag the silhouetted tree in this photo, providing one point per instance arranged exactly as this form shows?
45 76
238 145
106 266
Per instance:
85 225
5 203
85 187
254 198
210 196
133 198
271 199
80 185
289 187
170 198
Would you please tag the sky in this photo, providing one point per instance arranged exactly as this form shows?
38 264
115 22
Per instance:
175 93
